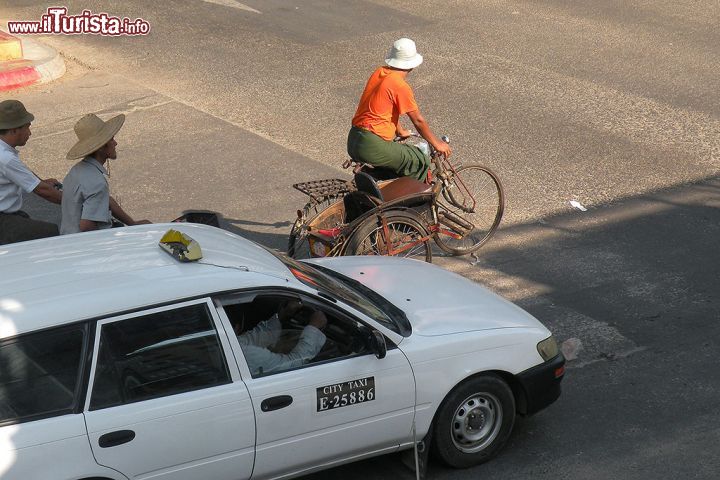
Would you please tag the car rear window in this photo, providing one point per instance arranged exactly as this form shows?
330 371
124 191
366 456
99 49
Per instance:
39 374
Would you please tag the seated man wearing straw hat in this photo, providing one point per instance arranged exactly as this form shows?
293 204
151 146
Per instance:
376 123
87 204
16 178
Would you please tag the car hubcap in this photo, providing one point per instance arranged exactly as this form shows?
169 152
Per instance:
476 422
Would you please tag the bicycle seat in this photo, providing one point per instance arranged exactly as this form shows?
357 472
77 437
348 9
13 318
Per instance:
392 190
402 187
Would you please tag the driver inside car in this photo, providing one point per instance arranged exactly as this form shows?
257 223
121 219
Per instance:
376 123
254 343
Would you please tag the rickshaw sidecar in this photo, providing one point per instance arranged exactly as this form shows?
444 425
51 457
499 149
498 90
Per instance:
367 218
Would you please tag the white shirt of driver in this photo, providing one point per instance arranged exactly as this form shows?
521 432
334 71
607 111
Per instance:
262 361
15 178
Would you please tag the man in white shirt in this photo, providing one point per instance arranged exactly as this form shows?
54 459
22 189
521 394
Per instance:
16 178
255 342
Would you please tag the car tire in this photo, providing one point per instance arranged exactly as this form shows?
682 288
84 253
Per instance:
474 421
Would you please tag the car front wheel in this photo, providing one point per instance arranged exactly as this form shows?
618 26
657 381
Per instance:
474 421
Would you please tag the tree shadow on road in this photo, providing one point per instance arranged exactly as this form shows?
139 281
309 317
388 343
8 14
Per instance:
634 262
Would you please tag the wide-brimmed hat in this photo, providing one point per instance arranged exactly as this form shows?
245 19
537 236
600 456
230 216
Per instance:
93 133
14 115
403 54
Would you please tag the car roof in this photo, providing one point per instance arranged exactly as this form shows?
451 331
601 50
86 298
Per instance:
59 280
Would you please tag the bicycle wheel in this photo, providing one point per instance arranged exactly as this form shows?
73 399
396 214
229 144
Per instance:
404 230
298 245
471 214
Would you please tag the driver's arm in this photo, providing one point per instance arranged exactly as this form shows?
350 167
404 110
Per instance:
120 214
263 361
424 130
310 343
264 334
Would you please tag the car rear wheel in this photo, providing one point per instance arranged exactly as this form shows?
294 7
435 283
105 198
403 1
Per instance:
474 422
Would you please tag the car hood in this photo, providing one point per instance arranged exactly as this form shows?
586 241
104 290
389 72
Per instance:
436 301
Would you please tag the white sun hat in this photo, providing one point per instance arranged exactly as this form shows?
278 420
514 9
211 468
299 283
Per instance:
403 54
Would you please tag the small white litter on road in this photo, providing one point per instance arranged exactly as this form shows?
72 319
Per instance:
233 4
578 205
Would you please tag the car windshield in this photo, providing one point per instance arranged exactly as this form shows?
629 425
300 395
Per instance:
350 291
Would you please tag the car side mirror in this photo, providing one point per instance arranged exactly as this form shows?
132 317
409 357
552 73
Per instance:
379 346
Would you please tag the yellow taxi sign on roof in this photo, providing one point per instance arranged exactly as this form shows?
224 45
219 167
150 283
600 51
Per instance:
180 246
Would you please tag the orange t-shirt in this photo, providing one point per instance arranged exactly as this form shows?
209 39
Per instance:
387 96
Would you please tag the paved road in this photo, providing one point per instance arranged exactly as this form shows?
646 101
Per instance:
613 104
587 100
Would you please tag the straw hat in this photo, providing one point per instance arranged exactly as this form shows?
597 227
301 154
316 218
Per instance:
14 115
93 133
403 54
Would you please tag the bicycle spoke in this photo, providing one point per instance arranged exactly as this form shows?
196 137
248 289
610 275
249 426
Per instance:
471 210
400 234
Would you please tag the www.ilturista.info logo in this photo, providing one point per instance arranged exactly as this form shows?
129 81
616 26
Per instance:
57 21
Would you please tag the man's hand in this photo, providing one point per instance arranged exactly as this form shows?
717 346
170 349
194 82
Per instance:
288 310
48 191
121 215
54 182
424 130
318 320
443 149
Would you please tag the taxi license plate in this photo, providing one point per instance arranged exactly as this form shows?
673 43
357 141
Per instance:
345 394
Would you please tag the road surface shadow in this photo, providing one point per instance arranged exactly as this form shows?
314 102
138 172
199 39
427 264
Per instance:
636 282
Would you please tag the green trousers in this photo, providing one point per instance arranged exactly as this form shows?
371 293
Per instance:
405 160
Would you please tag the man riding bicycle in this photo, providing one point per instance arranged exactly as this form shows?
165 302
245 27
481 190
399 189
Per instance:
376 123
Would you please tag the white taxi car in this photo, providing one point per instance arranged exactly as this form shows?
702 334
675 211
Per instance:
117 361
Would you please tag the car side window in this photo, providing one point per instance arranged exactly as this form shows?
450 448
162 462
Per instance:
156 355
280 333
39 374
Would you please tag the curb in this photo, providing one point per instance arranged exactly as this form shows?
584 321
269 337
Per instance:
40 64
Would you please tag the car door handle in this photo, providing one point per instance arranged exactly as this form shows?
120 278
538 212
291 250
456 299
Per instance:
114 439
276 403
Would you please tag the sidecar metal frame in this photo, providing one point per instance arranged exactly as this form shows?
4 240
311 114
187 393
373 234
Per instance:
329 232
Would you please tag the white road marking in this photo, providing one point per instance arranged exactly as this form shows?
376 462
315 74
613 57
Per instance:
233 4
132 107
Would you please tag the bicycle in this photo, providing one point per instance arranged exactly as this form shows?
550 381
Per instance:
460 208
